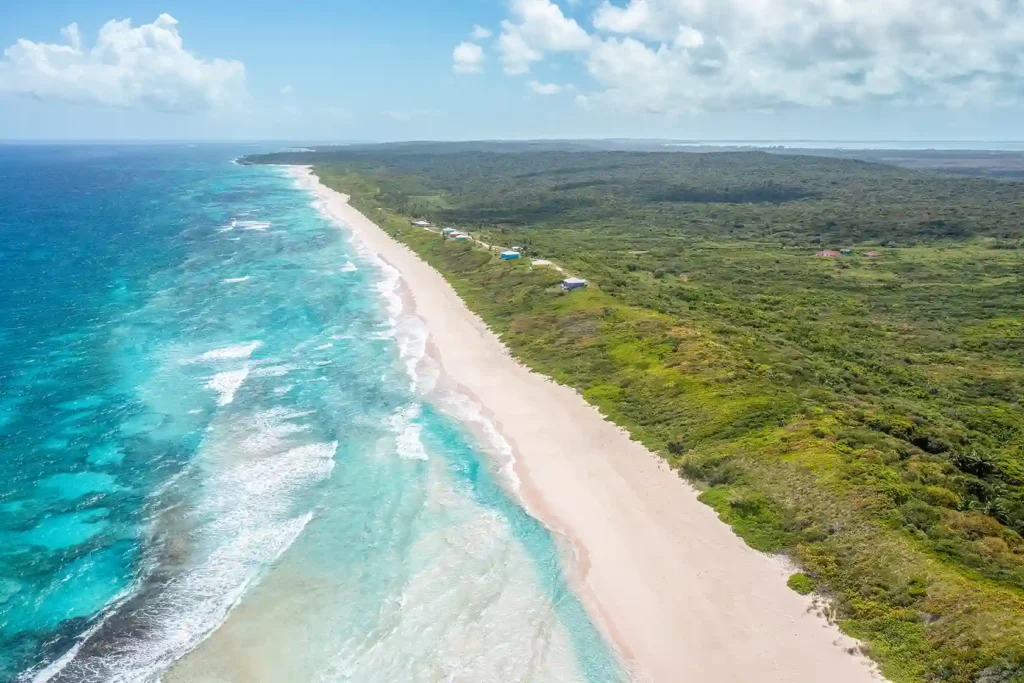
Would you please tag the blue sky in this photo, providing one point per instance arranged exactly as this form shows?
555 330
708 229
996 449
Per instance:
416 69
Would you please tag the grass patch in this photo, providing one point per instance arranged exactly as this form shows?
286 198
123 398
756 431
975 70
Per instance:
801 583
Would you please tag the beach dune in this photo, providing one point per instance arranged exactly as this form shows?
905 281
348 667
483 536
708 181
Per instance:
678 595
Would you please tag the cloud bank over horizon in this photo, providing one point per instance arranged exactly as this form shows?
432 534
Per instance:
740 69
686 56
128 67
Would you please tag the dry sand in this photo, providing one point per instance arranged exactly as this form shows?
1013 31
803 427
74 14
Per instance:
678 594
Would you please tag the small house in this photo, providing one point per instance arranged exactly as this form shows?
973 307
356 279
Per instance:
460 237
846 252
421 224
508 255
571 283
871 254
448 232
828 253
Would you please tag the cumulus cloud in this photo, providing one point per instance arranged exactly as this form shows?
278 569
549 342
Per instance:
815 52
286 89
539 88
516 53
143 66
480 33
630 19
676 56
467 58
534 28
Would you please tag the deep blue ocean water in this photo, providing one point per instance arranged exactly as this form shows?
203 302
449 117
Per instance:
218 433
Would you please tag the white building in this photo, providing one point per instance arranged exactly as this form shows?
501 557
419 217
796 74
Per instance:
571 283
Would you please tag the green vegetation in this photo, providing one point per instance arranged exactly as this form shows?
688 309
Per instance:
801 583
864 416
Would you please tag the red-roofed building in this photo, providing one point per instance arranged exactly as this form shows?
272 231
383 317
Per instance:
828 253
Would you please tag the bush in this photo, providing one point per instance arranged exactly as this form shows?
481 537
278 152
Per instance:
801 583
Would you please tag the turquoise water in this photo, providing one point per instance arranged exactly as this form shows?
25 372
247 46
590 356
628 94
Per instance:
220 433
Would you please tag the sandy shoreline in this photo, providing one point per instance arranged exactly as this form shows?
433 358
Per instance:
680 596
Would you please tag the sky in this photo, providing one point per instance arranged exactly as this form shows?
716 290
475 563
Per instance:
512 69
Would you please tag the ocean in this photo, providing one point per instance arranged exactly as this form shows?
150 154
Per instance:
225 454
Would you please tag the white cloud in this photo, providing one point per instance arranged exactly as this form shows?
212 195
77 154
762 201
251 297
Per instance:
286 89
480 33
629 19
582 101
144 66
675 56
467 58
536 27
636 77
71 34
539 88
516 54
772 53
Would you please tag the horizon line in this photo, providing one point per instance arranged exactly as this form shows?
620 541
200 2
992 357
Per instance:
350 141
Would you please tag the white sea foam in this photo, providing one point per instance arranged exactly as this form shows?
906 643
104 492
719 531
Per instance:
466 410
251 225
233 280
388 289
245 524
58 665
412 338
55 667
408 444
349 267
408 330
227 384
273 370
199 601
232 352
268 429
236 224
